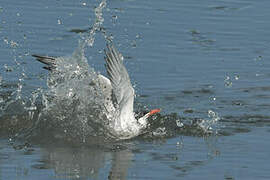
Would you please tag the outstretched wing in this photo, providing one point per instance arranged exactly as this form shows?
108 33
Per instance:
118 75
48 61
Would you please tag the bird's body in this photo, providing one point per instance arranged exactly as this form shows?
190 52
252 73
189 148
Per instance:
118 95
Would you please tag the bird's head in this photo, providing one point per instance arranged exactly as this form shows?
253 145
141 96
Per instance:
143 120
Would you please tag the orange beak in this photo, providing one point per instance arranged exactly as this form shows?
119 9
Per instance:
154 111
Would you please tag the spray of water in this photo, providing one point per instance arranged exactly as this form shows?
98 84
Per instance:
97 26
74 102
73 105
210 125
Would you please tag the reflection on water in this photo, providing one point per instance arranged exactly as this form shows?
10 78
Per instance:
83 163
68 162
108 161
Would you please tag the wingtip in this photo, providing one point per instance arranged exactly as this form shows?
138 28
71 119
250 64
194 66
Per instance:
36 56
48 61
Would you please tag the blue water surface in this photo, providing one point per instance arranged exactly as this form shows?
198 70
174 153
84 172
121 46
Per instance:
186 57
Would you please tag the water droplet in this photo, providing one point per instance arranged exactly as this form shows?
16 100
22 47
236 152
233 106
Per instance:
236 77
179 144
258 58
6 40
59 21
77 176
138 36
18 14
114 17
133 44
161 131
84 3
13 44
7 68
227 81
24 75
31 108
213 115
179 123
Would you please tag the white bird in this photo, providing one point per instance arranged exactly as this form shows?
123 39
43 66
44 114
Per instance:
119 96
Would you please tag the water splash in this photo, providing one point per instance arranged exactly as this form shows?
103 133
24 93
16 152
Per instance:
12 93
210 124
72 108
71 102
75 99
97 26
74 102
160 132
